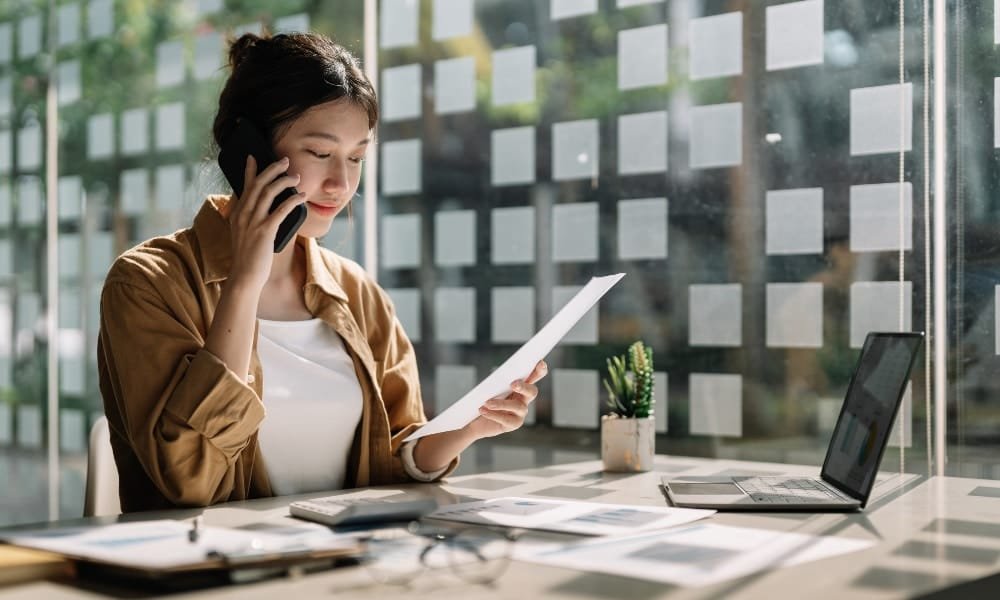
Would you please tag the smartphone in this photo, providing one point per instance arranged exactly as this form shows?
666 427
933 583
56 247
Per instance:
243 141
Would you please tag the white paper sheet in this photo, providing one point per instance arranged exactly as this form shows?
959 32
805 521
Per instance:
164 544
695 555
569 516
521 363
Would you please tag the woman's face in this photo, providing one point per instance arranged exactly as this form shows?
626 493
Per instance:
326 147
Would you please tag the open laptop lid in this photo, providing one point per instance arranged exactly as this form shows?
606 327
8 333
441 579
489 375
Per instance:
869 411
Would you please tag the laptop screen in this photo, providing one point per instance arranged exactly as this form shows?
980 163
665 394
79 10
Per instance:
869 410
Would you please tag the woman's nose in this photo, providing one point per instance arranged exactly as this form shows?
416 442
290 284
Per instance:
336 180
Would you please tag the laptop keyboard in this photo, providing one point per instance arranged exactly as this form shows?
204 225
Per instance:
784 490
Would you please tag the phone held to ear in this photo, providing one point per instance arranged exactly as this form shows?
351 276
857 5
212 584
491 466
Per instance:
243 141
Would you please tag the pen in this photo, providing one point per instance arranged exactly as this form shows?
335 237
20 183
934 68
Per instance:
195 530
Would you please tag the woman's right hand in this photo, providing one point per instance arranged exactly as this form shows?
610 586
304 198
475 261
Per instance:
252 228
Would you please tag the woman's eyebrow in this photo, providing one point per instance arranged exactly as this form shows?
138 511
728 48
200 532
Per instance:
333 138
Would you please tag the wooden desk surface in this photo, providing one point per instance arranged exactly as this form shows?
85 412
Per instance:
930 534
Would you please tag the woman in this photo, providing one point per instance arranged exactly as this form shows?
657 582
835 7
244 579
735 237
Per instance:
229 371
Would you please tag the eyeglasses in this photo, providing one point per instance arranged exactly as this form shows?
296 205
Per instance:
476 555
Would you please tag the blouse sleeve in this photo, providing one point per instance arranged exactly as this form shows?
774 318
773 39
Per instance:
187 416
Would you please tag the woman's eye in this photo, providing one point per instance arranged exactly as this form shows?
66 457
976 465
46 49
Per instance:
357 160
318 155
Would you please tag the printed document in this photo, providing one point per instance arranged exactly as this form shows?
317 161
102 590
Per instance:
568 516
521 363
694 555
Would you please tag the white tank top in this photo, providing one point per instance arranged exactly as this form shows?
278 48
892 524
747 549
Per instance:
313 402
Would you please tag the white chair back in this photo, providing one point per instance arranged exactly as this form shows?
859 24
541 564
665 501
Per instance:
102 474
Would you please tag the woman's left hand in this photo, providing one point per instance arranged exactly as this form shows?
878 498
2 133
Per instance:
506 413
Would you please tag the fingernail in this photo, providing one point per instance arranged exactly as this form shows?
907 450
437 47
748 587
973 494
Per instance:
284 160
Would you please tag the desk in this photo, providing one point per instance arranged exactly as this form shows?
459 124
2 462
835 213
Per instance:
930 534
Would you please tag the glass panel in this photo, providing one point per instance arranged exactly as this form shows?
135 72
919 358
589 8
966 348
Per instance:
136 104
756 169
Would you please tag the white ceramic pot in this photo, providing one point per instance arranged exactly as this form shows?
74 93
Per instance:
627 445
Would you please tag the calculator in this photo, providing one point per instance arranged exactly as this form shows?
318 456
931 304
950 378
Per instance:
343 512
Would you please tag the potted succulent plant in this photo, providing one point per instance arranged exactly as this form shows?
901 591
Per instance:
628 432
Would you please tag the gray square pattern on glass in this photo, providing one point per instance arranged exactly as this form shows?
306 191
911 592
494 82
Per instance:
169 63
400 241
576 150
574 232
170 126
6 42
642 228
455 314
794 315
401 93
169 188
642 143
454 85
716 136
875 218
514 75
875 307
563 9
794 34
134 191
100 136
407 304
902 429
29 147
585 331
794 223
512 156
455 238
642 57
512 236
716 404
451 18
68 81
716 46
68 24
575 398
398 23
876 113
661 393
716 315
451 382
513 314
6 88
101 21
996 112
298 22
208 55
135 131
401 167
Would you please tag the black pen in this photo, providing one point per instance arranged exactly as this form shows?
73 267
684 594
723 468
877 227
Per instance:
195 532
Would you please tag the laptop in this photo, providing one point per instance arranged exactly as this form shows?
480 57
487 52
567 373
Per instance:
853 456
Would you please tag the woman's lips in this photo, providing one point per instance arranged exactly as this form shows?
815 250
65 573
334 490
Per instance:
322 209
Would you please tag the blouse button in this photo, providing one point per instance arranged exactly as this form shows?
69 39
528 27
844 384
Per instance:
251 378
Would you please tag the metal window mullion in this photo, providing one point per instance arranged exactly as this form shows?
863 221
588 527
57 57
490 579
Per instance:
52 264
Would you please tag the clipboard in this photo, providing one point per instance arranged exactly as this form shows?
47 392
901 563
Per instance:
162 553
